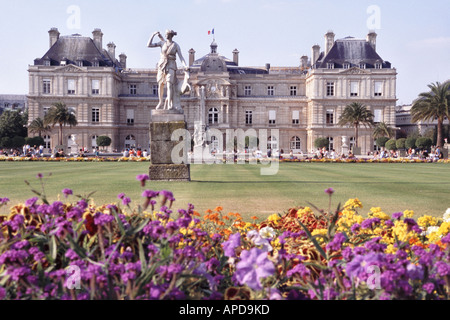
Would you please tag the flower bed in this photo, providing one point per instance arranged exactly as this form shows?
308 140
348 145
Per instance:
74 250
216 160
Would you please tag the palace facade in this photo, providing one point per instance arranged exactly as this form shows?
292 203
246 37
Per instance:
303 102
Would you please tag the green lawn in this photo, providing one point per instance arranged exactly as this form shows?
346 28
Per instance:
422 187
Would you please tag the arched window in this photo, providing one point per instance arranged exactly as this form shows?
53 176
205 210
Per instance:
295 143
130 141
214 144
213 116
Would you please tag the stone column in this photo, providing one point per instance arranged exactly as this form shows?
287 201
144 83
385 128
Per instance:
162 125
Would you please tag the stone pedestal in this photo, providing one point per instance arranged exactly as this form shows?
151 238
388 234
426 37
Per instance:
163 124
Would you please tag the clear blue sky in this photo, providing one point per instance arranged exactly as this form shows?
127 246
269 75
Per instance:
413 35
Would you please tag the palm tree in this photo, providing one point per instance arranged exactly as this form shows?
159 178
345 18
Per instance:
356 114
382 129
60 114
433 105
38 126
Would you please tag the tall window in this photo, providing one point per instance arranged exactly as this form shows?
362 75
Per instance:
295 143
272 143
330 117
95 115
71 86
130 116
377 115
293 90
330 88
130 141
272 116
95 86
330 143
46 86
270 91
352 142
295 117
213 116
94 141
378 89
248 117
247 90
354 89
155 89
133 89
47 142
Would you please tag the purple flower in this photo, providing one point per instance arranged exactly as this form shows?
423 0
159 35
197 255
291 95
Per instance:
31 202
149 194
2 293
253 267
67 192
428 287
142 178
121 196
336 243
370 223
355 227
442 268
167 195
39 176
329 191
126 201
397 215
4 201
229 246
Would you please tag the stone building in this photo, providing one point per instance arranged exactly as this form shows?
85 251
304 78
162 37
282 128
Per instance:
13 102
303 102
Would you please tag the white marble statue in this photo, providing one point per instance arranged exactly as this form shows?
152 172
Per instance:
167 68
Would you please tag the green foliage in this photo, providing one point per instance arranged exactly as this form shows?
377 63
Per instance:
424 143
103 141
18 142
401 143
381 141
321 142
12 123
410 143
34 141
391 145
5 142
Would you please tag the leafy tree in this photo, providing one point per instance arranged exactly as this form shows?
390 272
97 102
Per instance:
410 143
424 143
103 141
60 115
13 123
400 143
5 142
18 142
381 141
391 145
34 141
382 129
433 105
321 143
355 115
38 126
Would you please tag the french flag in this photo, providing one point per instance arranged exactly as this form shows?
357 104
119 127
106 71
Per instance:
211 32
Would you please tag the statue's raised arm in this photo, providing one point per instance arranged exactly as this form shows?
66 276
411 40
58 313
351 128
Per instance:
150 43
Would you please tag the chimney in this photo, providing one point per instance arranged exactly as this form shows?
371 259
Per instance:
304 61
315 55
236 56
97 36
112 51
191 56
329 41
268 66
372 39
53 35
123 60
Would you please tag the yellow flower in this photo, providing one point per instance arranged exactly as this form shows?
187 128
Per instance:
444 229
427 221
274 218
376 212
390 249
353 203
408 213
304 211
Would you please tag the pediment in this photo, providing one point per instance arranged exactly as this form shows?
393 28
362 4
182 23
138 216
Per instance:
354 70
69 68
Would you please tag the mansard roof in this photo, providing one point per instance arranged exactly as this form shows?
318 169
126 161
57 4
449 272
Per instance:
353 51
75 48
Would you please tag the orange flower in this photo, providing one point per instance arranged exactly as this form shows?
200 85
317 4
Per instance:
254 218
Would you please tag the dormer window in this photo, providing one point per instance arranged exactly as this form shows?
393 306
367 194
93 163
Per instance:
47 62
79 62
95 63
330 65
378 65
362 65
346 65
